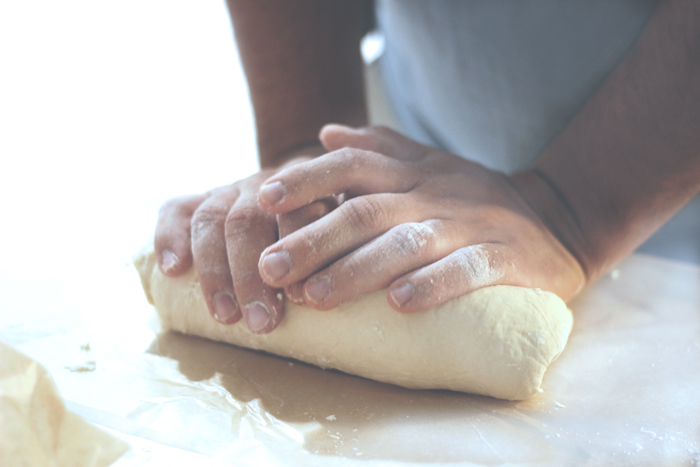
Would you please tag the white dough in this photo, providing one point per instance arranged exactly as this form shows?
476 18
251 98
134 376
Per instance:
496 341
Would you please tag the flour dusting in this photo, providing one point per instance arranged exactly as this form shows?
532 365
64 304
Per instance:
475 263
414 237
403 241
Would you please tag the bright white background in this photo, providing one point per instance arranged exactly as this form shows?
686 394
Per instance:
107 109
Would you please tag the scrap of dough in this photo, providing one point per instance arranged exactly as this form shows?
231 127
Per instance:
496 341
35 427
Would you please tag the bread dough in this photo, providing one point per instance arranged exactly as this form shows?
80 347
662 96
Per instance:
496 341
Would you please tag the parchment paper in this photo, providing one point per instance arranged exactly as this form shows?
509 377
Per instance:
35 427
624 392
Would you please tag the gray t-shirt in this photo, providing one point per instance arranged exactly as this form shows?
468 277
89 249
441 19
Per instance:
495 81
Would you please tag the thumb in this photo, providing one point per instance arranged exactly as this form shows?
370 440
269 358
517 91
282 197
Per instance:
377 139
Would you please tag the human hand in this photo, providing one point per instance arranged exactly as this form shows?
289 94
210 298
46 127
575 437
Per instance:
427 224
222 233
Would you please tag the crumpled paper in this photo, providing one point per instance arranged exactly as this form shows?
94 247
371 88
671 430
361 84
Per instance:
35 427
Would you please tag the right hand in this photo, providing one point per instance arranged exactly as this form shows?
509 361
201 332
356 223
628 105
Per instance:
223 232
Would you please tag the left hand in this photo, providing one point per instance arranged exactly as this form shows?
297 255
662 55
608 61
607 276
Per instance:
221 234
427 224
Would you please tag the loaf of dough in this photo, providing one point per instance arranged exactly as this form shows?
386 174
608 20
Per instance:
496 341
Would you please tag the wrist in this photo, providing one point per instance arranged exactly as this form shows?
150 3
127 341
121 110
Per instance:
550 205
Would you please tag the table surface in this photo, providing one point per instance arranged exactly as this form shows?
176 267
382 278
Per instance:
624 392
110 110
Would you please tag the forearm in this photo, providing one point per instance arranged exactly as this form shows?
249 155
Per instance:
303 65
631 158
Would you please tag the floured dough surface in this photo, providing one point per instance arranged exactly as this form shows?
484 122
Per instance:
496 341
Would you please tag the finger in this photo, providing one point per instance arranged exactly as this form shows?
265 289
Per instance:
377 139
249 230
459 273
377 264
295 293
210 256
351 225
292 221
352 171
172 238
295 220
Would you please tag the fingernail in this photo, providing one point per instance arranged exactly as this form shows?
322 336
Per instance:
318 290
402 294
276 265
225 308
295 293
168 260
272 193
257 316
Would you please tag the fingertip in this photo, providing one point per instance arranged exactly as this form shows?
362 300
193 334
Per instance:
168 262
331 128
317 291
295 293
401 295
333 136
274 266
172 234
272 193
172 264
225 309
257 316
262 317
377 139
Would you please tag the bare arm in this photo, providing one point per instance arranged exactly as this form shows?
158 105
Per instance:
623 166
631 158
303 65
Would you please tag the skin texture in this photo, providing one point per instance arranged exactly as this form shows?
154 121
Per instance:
424 223
222 234
303 66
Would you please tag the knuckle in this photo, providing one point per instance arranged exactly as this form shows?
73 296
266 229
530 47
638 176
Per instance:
365 213
212 271
352 159
243 218
204 219
477 266
246 282
413 238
